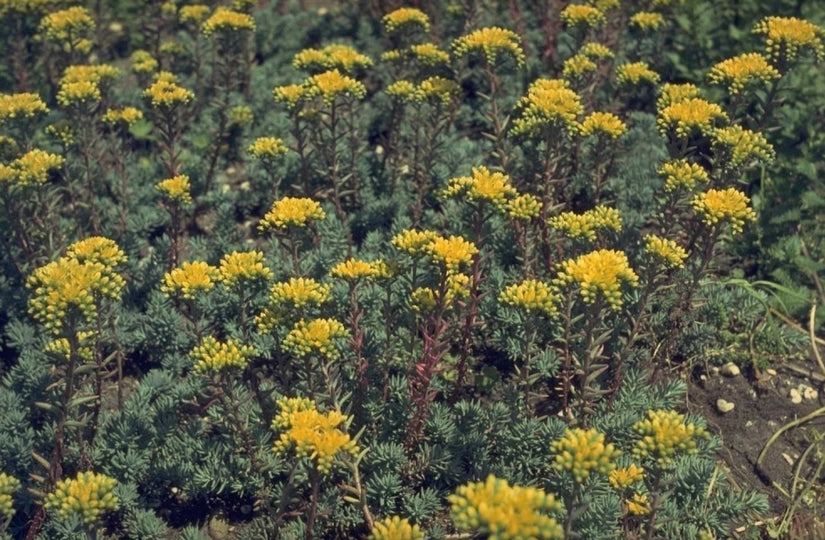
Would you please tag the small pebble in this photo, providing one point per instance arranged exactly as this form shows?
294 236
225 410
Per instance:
724 406
771 372
730 370
796 396
808 392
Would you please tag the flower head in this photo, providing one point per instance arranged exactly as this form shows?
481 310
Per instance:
299 292
24 105
724 205
482 186
88 495
586 225
93 73
167 94
290 95
406 19
523 207
647 21
664 434
491 42
582 452
596 51
437 89
681 174
330 85
190 279
495 509
143 62
548 103
635 73
577 65
97 249
402 90
671 254
312 434
689 115
531 295
8 485
599 271
395 528
333 56
243 266
675 93
291 212
429 54
213 356
78 92
67 24
412 241
267 148
227 21
739 146
193 14
787 36
356 269
603 123
638 505
625 477
127 115
34 167
316 336
176 189
583 15
452 252
743 70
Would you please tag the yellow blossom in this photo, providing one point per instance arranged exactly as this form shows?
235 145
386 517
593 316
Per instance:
34 166
586 225
395 528
596 51
127 115
213 356
176 189
67 24
531 295
638 505
91 73
406 19
8 486
241 266
312 434
491 42
599 271
625 477
291 212
603 123
724 205
786 36
225 20
582 15
143 62
24 105
635 73
674 93
355 269
412 241
689 115
429 54
241 115
743 70
78 92
647 21
86 346
523 207
482 186
548 103
290 95
194 13
97 249
605 5
739 146
316 336
299 293
582 452
452 252
681 174
88 495
577 65
664 434
164 76
437 89
167 94
401 90
494 509
267 148
667 251
190 279
334 56
330 85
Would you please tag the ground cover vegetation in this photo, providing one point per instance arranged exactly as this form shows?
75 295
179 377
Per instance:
373 270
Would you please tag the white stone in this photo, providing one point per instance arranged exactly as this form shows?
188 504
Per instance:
796 396
724 406
730 370
808 392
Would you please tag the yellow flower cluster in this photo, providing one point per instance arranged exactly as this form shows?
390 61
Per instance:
491 42
599 271
67 24
194 13
603 123
577 65
33 167
586 225
72 282
596 50
423 299
605 5
313 435
78 93
740 71
164 93
664 433
265 148
429 54
290 95
402 90
689 115
227 21
582 15
786 36
724 205
24 105
499 511
213 356
241 115
739 146
548 103
176 189
143 62
635 73
356 269
531 295
437 89
334 56
24 6
127 115
333 84
638 505
395 528
625 477
412 241
647 21
452 252
291 212
667 251
92 73
242 266
61 347
299 292
681 174
675 93
88 495
582 452
190 279
406 18
482 186
8 485
523 207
